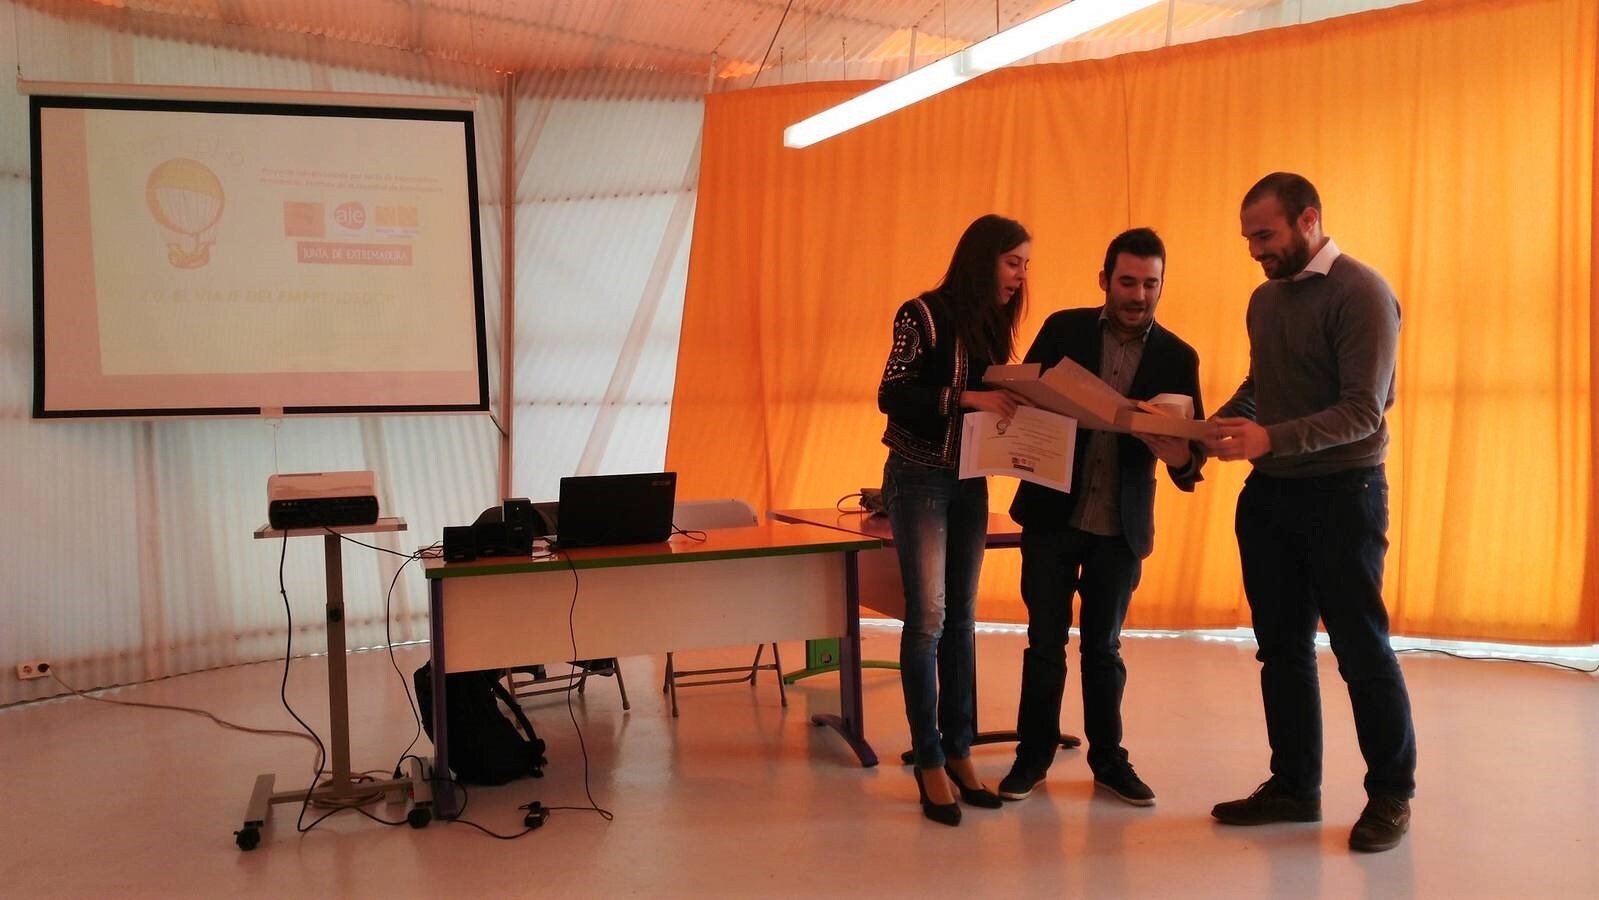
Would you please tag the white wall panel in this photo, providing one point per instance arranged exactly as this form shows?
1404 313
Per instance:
605 206
586 148
16 275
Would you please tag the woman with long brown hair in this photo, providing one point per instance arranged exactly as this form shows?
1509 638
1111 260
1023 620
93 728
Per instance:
943 342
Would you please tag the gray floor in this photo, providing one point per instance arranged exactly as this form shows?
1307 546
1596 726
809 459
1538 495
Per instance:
741 797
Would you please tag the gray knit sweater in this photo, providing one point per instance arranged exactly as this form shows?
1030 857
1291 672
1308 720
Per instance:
1321 370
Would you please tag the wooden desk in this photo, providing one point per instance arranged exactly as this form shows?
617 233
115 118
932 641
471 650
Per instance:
881 588
768 582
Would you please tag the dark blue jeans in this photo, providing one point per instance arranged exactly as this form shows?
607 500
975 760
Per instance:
1103 571
940 526
1314 547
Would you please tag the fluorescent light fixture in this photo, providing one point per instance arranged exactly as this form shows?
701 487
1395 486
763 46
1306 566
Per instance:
877 102
1017 42
1041 32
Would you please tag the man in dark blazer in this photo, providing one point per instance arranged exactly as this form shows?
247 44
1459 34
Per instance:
1092 541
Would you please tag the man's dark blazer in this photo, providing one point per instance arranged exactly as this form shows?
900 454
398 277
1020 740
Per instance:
1168 366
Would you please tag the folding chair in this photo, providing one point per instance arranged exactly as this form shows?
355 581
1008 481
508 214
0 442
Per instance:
533 677
691 515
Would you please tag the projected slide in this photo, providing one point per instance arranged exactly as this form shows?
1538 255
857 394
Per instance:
228 258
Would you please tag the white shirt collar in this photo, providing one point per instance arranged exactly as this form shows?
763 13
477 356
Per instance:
1321 263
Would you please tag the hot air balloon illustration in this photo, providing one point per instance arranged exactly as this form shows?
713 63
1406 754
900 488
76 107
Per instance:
185 199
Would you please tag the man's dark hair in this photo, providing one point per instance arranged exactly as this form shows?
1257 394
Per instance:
1294 192
1140 242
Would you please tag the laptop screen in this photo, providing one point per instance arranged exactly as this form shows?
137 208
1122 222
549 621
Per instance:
602 510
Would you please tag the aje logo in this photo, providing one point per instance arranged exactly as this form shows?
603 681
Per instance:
185 198
350 218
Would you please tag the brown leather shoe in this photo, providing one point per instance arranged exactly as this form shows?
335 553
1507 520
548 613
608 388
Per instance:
1383 822
1269 803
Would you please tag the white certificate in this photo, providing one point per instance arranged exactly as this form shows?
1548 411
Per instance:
1034 445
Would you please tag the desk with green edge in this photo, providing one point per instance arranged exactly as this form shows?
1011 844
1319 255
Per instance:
881 590
768 582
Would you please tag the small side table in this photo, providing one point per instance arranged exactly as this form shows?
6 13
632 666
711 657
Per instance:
344 790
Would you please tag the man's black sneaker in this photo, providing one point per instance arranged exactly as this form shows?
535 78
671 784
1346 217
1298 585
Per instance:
1121 780
1383 822
1269 803
1019 783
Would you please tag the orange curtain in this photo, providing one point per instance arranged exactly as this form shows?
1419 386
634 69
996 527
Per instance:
1453 143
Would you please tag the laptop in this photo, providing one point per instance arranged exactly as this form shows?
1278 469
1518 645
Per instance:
603 510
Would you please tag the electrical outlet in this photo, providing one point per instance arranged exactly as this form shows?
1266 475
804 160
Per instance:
33 668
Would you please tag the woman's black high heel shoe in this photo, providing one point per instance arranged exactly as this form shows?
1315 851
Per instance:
942 813
977 796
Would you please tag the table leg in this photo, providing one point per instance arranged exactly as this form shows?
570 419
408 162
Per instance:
1067 742
850 722
821 657
444 800
338 681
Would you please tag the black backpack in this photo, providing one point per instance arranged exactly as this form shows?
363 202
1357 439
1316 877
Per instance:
484 746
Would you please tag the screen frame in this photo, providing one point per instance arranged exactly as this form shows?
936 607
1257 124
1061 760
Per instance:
37 103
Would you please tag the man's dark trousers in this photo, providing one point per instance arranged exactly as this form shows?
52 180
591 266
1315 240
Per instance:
1314 547
1103 571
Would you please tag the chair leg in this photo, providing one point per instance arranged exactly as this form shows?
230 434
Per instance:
751 672
755 667
671 684
777 668
616 668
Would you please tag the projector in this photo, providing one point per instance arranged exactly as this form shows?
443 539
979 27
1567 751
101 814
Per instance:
322 499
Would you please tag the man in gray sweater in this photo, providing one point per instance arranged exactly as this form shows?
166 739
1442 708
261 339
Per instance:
1312 518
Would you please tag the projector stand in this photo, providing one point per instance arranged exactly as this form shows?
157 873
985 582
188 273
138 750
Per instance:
344 790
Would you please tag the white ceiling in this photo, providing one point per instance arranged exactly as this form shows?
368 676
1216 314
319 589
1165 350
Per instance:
724 41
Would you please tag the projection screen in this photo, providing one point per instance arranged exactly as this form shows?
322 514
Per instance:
207 258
